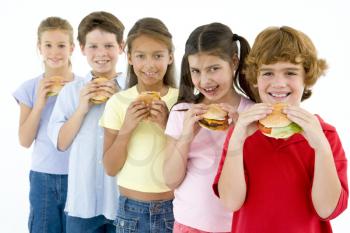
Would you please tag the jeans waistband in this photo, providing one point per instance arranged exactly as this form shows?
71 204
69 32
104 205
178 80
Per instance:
152 207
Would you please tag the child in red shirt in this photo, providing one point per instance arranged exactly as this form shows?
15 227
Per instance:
283 185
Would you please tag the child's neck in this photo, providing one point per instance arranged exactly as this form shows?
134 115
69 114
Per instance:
65 72
163 89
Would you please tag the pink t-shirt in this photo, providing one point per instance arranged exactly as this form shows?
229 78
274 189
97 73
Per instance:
195 203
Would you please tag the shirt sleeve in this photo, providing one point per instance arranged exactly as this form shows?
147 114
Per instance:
25 93
222 161
175 121
111 117
341 166
62 111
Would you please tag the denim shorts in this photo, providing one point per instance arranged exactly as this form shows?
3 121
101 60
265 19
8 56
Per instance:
98 224
47 197
144 217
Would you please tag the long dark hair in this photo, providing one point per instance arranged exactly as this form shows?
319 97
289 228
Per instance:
215 39
156 29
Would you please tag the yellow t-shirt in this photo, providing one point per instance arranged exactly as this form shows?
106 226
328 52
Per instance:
143 168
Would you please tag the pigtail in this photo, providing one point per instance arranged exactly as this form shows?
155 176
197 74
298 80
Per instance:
240 78
186 90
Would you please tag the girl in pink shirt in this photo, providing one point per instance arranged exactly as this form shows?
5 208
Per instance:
211 73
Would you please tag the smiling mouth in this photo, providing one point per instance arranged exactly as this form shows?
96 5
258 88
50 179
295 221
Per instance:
150 74
210 90
55 60
279 95
101 62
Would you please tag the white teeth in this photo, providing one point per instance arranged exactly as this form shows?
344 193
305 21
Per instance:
279 95
101 62
210 89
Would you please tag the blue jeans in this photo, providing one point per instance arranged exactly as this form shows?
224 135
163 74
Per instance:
47 197
98 224
144 217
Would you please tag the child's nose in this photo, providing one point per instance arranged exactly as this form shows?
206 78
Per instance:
149 62
279 81
204 78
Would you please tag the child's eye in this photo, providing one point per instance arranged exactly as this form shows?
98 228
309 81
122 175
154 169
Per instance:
62 46
291 73
48 45
214 68
92 46
108 46
266 74
139 56
158 56
194 71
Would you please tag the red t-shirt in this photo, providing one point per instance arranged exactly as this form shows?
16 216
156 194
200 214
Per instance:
279 175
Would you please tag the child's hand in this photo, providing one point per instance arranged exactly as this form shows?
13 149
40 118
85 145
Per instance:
86 93
246 124
136 112
192 116
311 126
108 88
159 113
43 88
231 112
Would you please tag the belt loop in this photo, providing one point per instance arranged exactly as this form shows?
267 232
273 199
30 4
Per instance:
122 201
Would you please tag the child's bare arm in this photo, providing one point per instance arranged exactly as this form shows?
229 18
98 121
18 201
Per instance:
326 187
30 117
116 142
232 184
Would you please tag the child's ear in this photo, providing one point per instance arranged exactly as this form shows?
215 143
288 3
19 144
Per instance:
122 47
82 48
129 59
171 58
235 62
72 48
38 46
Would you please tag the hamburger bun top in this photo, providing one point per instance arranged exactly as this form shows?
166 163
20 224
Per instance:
277 118
215 112
100 79
148 96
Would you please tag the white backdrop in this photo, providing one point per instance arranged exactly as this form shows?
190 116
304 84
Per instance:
325 21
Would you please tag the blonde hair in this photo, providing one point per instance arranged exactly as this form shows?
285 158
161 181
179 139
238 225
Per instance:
55 23
285 44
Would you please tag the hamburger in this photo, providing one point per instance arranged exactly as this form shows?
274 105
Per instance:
148 97
215 118
100 96
56 86
277 125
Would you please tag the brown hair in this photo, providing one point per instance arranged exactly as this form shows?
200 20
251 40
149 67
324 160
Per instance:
55 23
157 30
218 40
275 44
100 20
